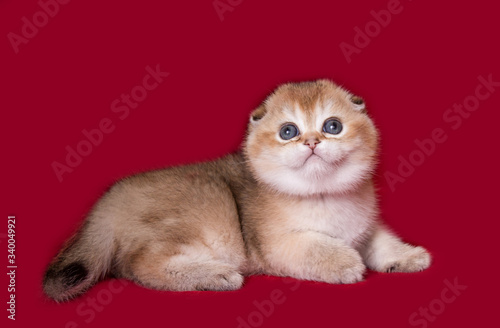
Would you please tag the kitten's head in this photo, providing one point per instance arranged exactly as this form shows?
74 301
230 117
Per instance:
311 138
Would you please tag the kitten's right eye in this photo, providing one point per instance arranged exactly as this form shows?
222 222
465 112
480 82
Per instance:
288 131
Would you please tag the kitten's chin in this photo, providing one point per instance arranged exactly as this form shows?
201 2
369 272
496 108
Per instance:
316 176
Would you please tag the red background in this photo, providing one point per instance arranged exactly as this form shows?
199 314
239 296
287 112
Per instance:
426 59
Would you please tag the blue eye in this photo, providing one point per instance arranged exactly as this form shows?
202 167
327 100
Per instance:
332 126
288 131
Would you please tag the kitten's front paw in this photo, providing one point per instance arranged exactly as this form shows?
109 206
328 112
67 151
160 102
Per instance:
222 279
411 260
349 267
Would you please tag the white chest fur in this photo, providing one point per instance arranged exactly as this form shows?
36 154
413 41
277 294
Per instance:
346 217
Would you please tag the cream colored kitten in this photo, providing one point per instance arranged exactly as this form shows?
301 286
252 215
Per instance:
298 201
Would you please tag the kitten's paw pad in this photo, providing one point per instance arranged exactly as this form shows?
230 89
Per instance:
224 280
415 259
349 268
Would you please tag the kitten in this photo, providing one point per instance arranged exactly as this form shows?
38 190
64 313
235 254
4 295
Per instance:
297 201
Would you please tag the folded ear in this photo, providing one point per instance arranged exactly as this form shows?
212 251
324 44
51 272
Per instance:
359 104
258 113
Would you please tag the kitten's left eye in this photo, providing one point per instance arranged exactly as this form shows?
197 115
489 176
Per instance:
288 131
332 126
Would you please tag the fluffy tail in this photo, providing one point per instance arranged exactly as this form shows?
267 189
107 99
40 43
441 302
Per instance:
85 259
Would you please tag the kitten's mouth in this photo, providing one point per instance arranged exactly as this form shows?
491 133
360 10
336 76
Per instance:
313 157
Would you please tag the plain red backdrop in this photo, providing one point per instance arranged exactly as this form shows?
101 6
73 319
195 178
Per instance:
65 78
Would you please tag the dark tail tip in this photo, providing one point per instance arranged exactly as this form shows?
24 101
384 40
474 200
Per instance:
62 283
72 275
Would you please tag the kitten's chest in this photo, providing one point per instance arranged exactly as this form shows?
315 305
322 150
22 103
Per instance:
344 217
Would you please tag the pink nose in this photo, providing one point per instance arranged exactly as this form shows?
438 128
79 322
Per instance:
312 143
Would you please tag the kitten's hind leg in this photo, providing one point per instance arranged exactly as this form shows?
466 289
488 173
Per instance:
186 271
385 252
